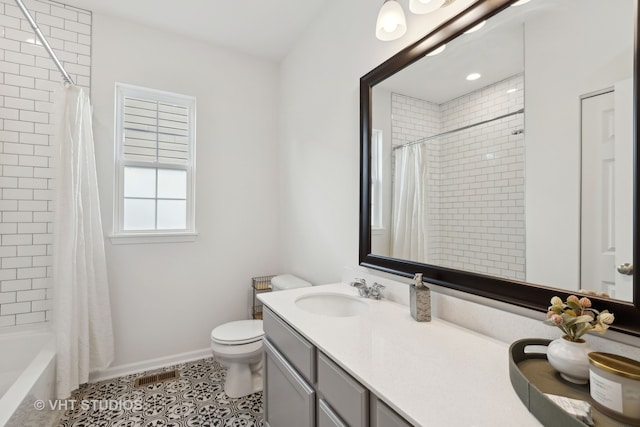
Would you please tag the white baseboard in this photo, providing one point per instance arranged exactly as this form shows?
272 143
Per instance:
148 365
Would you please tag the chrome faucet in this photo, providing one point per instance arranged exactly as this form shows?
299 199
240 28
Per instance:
362 287
374 292
366 291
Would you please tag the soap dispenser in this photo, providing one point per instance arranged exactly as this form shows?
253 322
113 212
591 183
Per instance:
420 300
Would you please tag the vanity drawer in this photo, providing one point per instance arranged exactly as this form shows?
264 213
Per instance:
298 351
347 397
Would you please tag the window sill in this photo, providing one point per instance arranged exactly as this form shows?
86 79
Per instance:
377 231
143 238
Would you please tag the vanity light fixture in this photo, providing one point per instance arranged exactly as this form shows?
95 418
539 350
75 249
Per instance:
475 28
473 76
437 50
424 6
391 23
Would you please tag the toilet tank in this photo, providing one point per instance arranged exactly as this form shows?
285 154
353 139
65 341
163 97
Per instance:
288 281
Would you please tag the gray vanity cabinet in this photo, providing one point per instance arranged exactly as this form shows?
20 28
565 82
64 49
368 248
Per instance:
304 387
289 372
383 416
326 416
290 401
348 399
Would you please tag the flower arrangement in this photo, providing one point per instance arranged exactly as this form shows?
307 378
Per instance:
576 317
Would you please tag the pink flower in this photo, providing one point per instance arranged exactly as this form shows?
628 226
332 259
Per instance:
556 319
573 298
585 302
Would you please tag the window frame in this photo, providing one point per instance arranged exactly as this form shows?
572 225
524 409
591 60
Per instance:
120 235
377 206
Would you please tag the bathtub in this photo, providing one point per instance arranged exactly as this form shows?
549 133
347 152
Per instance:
27 374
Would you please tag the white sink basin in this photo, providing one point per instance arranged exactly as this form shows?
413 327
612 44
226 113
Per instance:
332 304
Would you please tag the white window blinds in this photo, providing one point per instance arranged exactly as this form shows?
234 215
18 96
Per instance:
155 131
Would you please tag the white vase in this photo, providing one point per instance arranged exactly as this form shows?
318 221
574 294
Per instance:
571 359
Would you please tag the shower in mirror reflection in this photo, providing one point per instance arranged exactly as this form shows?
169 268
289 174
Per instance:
457 191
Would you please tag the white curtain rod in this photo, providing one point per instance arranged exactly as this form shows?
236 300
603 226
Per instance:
66 77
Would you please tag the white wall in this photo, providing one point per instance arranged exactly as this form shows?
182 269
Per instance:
166 298
598 59
319 134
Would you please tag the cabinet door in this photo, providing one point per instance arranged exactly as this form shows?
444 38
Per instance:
289 400
383 416
326 416
346 396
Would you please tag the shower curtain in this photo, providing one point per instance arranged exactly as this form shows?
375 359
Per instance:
81 309
409 232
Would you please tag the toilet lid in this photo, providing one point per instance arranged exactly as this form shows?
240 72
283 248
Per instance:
238 332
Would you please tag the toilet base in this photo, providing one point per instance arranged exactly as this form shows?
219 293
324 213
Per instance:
243 379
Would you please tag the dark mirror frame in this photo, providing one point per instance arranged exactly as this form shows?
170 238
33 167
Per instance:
521 294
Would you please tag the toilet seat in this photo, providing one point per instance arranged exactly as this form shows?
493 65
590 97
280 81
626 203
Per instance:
238 332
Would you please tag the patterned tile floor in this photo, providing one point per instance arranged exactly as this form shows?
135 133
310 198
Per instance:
196 399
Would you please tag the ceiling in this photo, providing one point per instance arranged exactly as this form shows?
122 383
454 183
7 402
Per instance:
267 29
495 51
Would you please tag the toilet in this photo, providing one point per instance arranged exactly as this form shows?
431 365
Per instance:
238 346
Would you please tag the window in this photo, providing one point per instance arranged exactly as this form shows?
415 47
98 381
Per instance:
155 162
376 179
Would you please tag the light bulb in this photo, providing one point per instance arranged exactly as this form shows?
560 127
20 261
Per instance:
391 23
475 28
437 50
424 6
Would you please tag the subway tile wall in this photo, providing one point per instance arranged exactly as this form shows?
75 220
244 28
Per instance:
28 78
475 179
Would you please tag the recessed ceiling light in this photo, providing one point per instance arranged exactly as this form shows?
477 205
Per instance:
512 90
520 2
475 28
473 76
437 51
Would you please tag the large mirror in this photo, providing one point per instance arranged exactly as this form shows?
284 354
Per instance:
498 154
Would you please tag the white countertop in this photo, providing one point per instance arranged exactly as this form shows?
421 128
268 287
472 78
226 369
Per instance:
432 373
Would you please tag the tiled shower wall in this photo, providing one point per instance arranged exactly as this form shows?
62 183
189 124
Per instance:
476 181
28 79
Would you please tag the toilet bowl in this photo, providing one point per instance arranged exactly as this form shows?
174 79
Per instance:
237 346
